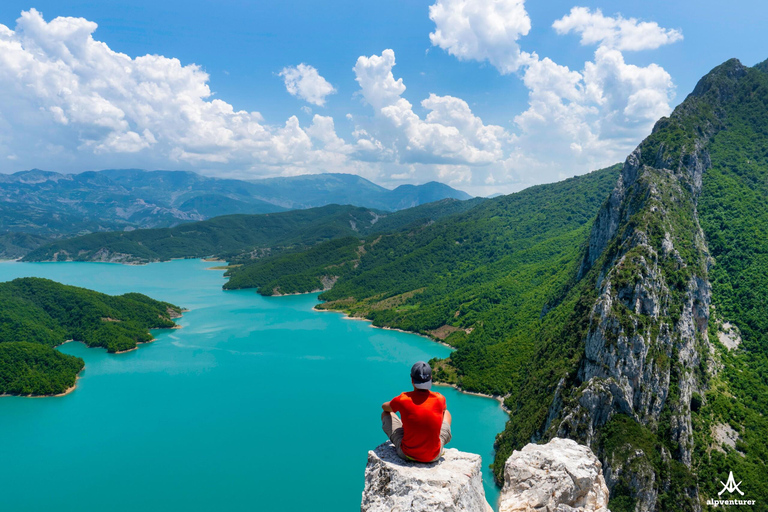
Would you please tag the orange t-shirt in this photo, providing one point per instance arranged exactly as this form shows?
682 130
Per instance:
422 415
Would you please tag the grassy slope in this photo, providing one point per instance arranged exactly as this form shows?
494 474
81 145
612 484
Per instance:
220 235
38 314
298 272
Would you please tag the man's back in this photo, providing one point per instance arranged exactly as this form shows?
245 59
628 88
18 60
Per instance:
422 416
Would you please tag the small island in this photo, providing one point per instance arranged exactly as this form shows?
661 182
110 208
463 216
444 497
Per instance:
37 315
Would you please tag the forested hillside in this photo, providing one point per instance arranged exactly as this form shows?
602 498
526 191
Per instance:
37 314
478 280
640 331
242 237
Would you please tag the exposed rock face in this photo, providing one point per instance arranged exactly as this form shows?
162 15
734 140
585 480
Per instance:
452 484
729 336
560 476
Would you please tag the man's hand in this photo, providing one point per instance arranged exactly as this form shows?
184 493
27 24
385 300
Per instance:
386 407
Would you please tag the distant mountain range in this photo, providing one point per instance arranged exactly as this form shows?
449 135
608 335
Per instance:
38 206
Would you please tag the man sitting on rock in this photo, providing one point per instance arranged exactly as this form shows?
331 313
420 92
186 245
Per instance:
426 423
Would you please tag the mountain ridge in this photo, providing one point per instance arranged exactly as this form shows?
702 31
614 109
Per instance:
644 359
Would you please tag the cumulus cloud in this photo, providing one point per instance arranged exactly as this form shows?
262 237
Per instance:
576 120
581 120
615 32
449 134
68 98
482 30
305 82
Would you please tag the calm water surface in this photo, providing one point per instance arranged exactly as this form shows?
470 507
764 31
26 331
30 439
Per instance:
255 404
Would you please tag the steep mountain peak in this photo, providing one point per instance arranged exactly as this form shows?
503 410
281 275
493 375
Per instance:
722 80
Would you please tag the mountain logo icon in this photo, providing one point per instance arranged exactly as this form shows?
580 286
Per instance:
731 486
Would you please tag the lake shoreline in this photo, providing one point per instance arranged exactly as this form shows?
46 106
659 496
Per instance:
63 393
498 398
346 316
77 377
458 388
146 342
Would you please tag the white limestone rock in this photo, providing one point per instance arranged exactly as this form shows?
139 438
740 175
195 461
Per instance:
560 476
452 484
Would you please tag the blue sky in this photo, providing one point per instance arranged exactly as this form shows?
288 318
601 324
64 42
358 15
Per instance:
475 138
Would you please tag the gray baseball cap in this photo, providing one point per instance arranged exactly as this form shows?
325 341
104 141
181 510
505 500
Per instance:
421 375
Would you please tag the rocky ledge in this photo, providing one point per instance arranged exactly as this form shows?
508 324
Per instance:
452 484
560 476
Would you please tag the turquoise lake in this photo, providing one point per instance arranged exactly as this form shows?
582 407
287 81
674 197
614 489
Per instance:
258 404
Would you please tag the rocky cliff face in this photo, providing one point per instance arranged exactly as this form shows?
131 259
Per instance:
452 484
647 341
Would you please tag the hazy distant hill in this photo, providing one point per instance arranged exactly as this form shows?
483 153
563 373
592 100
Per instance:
314 190
49 205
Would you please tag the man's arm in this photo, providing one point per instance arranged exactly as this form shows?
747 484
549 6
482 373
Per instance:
387 407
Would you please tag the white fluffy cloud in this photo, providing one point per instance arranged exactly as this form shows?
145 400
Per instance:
581 120
68 98
615 32
449 134
577 120
482 30
305 82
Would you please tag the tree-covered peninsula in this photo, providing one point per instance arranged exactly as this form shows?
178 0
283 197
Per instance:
38 314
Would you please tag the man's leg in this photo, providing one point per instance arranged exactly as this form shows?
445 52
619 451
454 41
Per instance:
389 423
393 427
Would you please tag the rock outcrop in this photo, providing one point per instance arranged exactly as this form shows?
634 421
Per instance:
452 484
560 476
